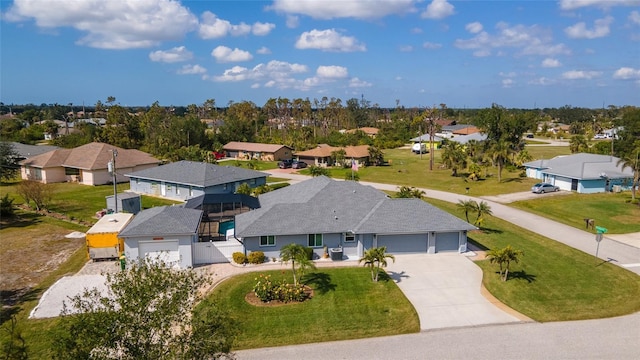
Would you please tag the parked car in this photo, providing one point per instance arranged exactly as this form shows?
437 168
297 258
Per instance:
419 148
298 164
541 188
529 136
285 164
600 136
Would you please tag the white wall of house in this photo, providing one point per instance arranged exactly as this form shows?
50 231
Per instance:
53 175
132 246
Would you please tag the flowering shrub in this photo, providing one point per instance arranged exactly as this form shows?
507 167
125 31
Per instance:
267 290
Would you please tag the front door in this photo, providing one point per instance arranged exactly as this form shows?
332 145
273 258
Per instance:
574 184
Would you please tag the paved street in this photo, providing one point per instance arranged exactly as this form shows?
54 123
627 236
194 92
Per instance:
613 338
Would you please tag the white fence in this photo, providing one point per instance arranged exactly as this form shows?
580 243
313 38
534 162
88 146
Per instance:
214 252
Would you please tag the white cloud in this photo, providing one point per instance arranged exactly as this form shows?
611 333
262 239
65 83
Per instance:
551 63
115 24
332 72
328 40
580 31
212 27
530 40
292 21
357 83
263 51
262 29
191 70
626 73
474 27
405 48
322 9
278 71
604 4
224 54
416 30
634 17
176 54
438 9
580 74
507 83
430 45
542 81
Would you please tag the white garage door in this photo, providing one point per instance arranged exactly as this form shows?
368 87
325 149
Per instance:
447 242
415 243
164 250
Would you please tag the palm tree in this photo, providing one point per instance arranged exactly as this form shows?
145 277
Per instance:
627 161
296 254
467 206
454 157
409 192
376 157
578 143
510 255
500 151
496 256
482 209
376 258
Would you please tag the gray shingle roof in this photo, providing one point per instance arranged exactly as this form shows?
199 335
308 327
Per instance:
164 220
582 166
323 205
197 174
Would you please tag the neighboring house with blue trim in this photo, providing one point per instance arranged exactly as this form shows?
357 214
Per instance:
583 173
184 180
349 216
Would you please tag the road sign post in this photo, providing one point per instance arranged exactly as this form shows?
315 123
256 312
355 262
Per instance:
598 239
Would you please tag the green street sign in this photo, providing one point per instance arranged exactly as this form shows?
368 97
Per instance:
601 230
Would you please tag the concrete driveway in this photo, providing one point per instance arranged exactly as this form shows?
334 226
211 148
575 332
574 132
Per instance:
445 290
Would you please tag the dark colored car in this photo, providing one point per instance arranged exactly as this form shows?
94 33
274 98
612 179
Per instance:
285 164
541 188
298 164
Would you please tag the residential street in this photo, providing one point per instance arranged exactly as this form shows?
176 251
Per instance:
613 338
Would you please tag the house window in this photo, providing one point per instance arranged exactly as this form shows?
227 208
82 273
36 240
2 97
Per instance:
137 181
269 240
252 182
315 240
71 171
168 186
36 174
349 237
224 187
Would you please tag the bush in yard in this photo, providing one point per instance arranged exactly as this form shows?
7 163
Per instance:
6 206
239 258
268 290
256 257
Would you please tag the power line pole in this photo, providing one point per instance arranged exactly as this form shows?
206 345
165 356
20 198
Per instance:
112 165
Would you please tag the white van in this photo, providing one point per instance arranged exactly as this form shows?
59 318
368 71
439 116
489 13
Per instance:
419 148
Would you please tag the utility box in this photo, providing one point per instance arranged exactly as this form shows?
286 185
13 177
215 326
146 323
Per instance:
102 239
127 202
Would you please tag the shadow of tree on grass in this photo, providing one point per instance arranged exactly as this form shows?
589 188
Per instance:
321 282
522 275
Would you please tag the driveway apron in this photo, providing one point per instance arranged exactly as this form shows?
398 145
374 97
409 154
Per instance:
445 291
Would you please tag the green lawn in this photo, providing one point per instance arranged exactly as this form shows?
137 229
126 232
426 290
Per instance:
547 152
346 305
553 282
610 210
82 201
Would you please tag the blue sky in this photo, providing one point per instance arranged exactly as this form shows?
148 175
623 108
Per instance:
419 53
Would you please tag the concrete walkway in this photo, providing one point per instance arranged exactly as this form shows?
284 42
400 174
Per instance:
623 254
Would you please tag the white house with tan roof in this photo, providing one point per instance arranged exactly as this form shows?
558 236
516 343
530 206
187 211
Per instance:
259 151
86 164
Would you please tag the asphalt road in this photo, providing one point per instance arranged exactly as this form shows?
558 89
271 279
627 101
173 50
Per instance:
613 338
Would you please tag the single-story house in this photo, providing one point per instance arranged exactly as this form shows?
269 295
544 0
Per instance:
459 129
259 151
165 232
426 139
583 173
369 131
183 180
321 155
349 216
86 164
464 139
